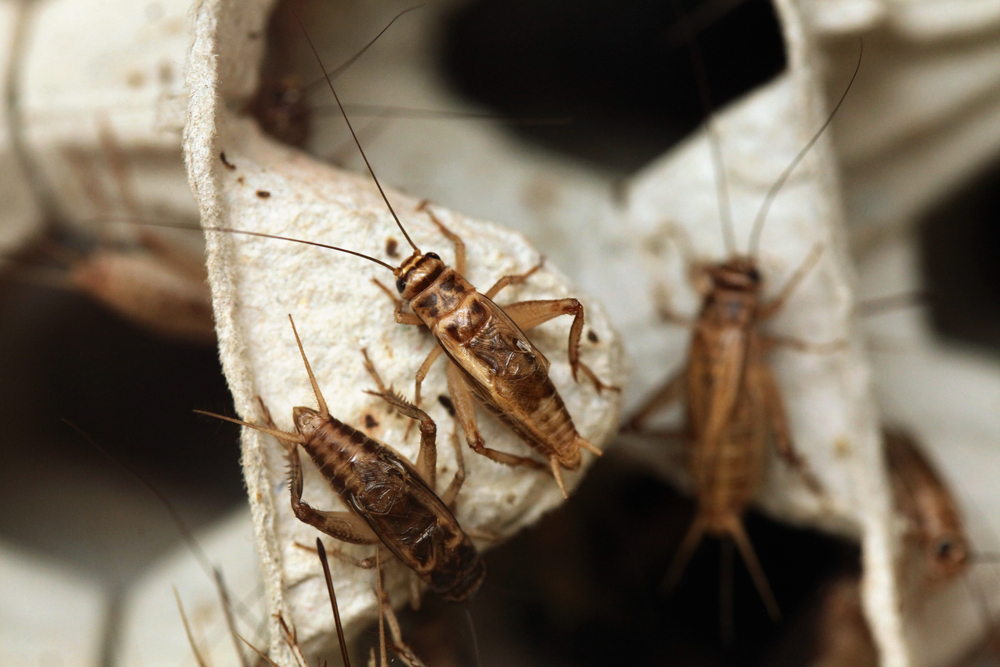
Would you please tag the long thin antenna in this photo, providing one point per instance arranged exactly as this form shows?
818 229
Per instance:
287 238
229 230
187 630
340 69
413 113
178 520
475 637
758 225
353 134
705 97
321 550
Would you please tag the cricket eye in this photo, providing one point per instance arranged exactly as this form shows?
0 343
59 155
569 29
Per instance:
944 549
432 255
400 285
754 275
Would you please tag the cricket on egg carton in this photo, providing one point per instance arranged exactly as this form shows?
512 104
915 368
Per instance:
245 180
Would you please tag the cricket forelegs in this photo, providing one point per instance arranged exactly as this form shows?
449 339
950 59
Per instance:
411 319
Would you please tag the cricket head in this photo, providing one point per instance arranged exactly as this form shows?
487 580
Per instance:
739 273
417 273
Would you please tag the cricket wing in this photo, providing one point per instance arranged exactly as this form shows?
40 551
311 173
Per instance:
505 369
416 525
716 379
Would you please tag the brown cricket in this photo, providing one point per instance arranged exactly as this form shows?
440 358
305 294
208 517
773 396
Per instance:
933 523
935 546
491 359
734 409
390 500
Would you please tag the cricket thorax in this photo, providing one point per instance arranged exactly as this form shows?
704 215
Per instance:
444 297
727 307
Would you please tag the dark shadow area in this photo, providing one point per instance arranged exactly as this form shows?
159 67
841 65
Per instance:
67 358
960 248
582 587
621 71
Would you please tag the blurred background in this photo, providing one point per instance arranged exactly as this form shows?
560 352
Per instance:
603 86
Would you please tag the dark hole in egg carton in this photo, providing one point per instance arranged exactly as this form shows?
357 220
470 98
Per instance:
621 71
959 246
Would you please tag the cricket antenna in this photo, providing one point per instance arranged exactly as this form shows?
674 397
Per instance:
475 637
758 224
354 135
343 67
333 601
229 230
705 98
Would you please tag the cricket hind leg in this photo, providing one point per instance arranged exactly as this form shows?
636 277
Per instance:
342 525
529 314
738 533
426 463
465 412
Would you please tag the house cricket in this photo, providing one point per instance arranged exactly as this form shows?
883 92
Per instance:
936 551
934 532
733 403
391 501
